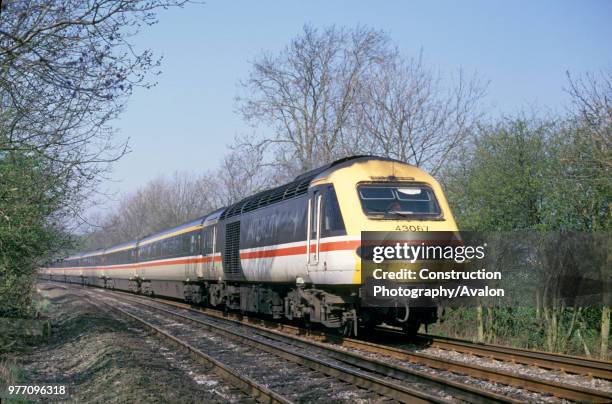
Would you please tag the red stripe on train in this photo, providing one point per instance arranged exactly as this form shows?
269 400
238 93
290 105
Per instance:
277 252
323 247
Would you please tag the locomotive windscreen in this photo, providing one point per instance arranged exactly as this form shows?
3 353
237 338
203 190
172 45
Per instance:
399 200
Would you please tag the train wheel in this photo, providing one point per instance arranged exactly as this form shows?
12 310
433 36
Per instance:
411 328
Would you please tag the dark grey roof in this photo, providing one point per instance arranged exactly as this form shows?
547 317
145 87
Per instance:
297 187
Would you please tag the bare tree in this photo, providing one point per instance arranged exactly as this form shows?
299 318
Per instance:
590 160
307 93
66 70
242 173
160 204
591 109
165 202
408 115
336 92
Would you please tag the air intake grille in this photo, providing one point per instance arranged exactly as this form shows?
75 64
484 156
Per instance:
265 198
297 187
231 256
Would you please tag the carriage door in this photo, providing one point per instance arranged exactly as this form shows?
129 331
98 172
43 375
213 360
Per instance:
190 242
313 236
210 241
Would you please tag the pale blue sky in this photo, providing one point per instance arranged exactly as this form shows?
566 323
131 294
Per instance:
185 123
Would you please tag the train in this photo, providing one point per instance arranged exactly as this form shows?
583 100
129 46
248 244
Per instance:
290 252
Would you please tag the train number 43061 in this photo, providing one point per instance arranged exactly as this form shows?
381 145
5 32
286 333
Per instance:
410 227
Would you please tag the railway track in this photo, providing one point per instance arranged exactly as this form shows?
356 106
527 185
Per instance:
360 355
557 362
538 385
246 384
545 360
371 376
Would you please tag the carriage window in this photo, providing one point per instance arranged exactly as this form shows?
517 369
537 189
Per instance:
410 200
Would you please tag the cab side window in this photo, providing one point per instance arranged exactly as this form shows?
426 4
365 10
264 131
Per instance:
333 224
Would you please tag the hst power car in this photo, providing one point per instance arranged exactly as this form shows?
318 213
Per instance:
289 252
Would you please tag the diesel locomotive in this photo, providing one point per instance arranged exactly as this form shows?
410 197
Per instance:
289 252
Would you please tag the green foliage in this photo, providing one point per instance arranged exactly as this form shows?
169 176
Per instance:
30 195
530 174
498 183
522 327
535 175
67 67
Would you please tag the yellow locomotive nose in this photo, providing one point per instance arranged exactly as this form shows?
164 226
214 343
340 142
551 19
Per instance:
387 195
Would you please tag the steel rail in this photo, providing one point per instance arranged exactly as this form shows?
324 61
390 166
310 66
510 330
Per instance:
379 385
458 390
534 384
546 360
244 383
538 385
